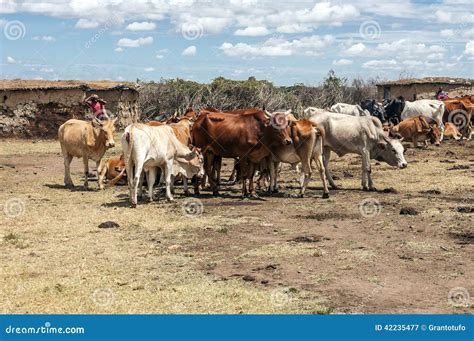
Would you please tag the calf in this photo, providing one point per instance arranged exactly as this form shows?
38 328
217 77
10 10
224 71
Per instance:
415 129
112 170
349 109
451 131
88 140
357 135
146 148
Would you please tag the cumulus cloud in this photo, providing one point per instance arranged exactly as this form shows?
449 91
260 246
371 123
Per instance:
189 51
126 42
355 49
253 31
149 69
278 47
86 24
381 64
342 62
141 26
11 60
469 49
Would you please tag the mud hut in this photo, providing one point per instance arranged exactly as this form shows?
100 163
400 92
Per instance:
36 108
424 88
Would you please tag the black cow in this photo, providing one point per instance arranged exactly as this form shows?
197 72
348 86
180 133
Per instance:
394 109
374 108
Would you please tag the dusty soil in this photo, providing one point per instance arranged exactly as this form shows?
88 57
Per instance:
352 253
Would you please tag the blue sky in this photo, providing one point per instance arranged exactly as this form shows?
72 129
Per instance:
286 42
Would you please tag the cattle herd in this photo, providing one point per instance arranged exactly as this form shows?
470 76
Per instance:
191 147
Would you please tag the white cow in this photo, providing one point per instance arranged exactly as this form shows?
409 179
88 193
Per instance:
429 108
145 148
357 135
349 109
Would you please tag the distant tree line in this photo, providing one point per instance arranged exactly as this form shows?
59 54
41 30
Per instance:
176 95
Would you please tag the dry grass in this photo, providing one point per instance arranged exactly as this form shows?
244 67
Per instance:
55 259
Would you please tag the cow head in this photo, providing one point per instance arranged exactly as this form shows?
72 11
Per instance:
390 151
279 121
192 163
107 130
434 134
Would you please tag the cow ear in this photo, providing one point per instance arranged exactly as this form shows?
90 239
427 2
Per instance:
382 145
114 120
287 112
96 123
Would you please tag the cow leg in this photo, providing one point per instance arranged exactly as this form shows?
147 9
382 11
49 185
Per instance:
140 184
136 182
168 178
415 141
322 175
185 186
272 169
85 160
441 128
367 184
251 174
305 175
326 157
217 170
150 179
209 165
101 172
172 184
67 171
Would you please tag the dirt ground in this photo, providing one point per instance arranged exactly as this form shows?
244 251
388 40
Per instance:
352 253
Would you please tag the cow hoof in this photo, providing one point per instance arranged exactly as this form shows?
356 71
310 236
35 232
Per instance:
254 196
335 187
275 191
187 194
133 205
325 195
215 193
69 185
372 189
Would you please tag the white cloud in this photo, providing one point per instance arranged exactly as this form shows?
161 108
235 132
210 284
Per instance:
451 17
278 47
48 39
118 49
448 33
189 51
253 31
381 64
141 26
86 24
294 28
342 62
149 69
11 60
355 49
469 49
125 42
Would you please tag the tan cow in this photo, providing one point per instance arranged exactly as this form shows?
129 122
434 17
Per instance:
88 140
417 129
451 131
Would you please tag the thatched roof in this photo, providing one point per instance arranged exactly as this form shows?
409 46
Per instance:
430 80
23 84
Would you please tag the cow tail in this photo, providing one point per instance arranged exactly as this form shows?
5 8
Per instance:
129 139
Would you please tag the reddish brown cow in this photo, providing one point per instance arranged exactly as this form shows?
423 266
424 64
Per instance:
247 134
112 169
417 128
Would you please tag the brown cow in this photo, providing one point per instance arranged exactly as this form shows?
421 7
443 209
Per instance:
451 131
308 141
246 134
417 128
88 140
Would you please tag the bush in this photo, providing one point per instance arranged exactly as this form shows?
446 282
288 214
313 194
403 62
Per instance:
164 98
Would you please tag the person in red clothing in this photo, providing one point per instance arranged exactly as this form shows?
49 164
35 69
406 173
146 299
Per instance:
98 106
